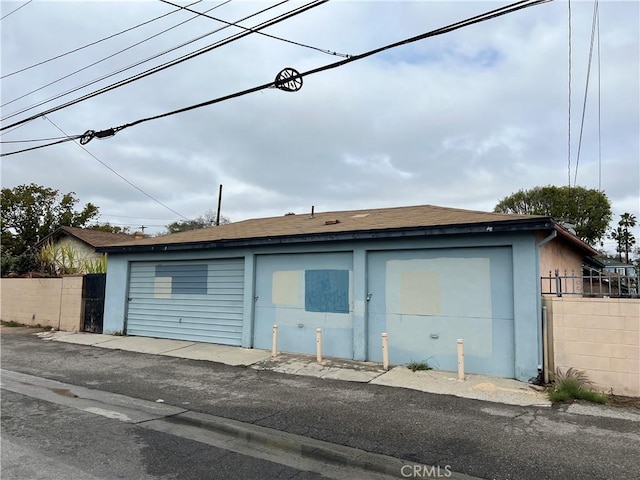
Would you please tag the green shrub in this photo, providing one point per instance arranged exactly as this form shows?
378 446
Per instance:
574 385
415 366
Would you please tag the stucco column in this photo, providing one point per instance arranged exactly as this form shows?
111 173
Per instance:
360 304
249 300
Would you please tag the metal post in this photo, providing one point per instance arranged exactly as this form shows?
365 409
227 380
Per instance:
274 343
558 284
460 359
319 345
385 352
545 345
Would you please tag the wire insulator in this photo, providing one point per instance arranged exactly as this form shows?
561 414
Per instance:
288 80
87 137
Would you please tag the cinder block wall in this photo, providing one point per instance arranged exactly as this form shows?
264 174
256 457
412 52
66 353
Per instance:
600 336
50 302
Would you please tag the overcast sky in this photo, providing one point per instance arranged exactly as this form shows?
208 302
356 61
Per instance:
459 120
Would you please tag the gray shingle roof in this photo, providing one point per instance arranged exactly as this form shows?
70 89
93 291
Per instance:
94 238
335 222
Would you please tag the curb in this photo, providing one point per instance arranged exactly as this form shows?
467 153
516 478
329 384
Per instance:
306 447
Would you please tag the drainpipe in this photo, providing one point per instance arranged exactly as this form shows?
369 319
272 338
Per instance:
543 347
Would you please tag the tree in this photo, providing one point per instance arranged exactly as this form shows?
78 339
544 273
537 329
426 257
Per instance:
589 210
208 219
31 212
107 227
623 236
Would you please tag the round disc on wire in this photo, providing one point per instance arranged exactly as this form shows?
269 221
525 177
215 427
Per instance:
288 80
87 137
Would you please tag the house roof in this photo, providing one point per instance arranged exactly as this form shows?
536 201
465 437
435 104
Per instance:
344 225
612 262
93 238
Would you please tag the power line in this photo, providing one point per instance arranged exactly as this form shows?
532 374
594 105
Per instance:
298 76
33 140
218 44
323 50
599 112
133 65
14 11
89 135
569 113
106 58
586 89
95 42
118 174
65 139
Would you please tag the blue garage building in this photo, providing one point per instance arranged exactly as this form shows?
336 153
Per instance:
425 275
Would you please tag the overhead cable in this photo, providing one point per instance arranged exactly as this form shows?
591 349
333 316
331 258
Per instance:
65 139
116 173
16 9
586 89
569 97
90 134
106 58
298 76
204 14
33 140
95 42
151 71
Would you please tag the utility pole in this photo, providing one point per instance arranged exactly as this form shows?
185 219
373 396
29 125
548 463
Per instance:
219 205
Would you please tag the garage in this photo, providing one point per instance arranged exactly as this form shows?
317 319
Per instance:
301 293
427 299
198 300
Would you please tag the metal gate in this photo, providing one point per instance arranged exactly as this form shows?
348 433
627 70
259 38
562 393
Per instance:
93 299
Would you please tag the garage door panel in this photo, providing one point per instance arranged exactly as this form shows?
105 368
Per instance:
301 293
427 299
189 300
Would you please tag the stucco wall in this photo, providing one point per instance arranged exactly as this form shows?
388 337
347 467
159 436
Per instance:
81 249
600 336
50 302
558 254
524 265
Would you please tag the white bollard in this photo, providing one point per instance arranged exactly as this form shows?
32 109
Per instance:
274 343
385 352
460 359
319 345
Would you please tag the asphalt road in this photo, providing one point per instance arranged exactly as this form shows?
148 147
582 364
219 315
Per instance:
477 438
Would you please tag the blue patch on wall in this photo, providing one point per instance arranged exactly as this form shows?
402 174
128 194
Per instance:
326 291
185 279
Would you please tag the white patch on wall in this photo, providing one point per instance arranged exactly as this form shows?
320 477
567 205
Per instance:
285 287
420 293
459 287
162 287
433 302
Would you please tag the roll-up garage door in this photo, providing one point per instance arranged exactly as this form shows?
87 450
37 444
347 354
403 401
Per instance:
187 300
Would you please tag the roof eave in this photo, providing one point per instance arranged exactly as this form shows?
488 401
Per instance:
576 241
59 232
409 232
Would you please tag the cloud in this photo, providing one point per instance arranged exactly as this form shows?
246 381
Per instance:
458 120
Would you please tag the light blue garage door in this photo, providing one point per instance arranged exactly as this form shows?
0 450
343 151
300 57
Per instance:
426 299
303 292
195 300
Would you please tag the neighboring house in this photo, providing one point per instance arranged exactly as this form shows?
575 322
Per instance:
425 275
83 242
614 266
